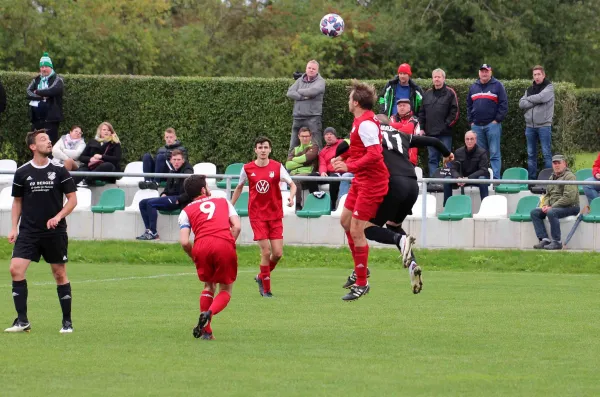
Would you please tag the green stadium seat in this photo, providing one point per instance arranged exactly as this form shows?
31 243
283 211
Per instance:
111 200
513 173
241 205
524 207
174 212
582 175
232 169
315 207
95 182
457 208
594 215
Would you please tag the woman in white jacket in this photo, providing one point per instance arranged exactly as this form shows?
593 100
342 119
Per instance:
68 148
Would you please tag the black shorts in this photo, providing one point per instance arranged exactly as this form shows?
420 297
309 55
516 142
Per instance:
397 204
52 247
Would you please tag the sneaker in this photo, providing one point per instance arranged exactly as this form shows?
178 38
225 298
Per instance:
261 289
554 245
202 321
416 279
82 184
19 326
207 335
405 244
148 235
352 279
143 185
152 185
542 244
356 292
67 327
267 294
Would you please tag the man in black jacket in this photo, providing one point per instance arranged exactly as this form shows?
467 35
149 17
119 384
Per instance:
438 114
470 162
45 94
172 198
161 163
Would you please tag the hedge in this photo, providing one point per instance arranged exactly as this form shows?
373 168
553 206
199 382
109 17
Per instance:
588 120
217 119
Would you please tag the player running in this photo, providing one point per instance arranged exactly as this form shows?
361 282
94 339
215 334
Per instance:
370 184
216 227
265 208
402 194
39 215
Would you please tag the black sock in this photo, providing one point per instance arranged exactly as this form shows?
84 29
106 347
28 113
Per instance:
381 235
19 292
64 297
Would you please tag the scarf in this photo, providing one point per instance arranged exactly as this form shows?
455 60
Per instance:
43 84
71 143
537 88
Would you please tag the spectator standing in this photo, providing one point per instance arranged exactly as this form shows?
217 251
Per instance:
68 149
307 93
591 192
45 94
401 87
470 162
405 121
101 154
559 202
161 163
172 198
438 114
538 104
303 160
487 106
325 166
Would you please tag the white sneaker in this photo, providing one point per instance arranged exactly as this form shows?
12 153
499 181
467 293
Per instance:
67 327
19 326
416 277
82 184
406 242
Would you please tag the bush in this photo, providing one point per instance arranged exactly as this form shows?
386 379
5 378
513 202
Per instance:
587 136
217 119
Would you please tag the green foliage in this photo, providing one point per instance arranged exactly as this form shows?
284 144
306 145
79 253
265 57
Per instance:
588 119
218 118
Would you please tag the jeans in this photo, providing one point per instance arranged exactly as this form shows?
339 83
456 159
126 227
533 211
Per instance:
591 192
345 185
435 155
160 166
483 189
149 209
488 137
313 124
554 214
544 134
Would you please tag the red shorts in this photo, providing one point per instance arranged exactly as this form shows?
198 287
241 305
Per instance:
216 260
364 201
267 230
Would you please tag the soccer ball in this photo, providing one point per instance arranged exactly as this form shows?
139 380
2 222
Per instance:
332 25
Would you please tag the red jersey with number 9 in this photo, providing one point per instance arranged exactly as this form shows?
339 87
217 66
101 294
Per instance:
208 217
265 202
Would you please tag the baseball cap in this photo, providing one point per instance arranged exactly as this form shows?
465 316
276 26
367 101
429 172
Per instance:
485 66
403 100
558 157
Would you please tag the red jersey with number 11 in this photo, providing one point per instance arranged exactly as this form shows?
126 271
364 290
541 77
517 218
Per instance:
265 202
208 216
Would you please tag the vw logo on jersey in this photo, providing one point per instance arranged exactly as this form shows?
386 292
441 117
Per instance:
51 175
262 186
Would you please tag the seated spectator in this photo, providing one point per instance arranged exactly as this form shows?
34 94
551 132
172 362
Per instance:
161 164
302 161
68 148
344 185
406 122
325 167
172 198
559 201
470 162
101 154
591 192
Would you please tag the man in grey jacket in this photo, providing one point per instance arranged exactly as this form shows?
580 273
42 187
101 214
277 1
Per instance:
307 93
538 104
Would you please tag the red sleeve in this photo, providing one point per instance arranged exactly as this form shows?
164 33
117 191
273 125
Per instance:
322 162
373 154
596 168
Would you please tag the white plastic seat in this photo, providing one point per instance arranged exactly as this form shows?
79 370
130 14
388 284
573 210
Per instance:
6 199
287 210
7 165
568 219
219 193
139 196
137 167
493 207
419 172
430 210
207 169
340 207
84 199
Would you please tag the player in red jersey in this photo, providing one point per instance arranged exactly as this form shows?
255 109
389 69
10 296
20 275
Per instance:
370 184
216 226
265 208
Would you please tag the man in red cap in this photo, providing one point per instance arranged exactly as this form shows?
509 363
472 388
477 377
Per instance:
400 87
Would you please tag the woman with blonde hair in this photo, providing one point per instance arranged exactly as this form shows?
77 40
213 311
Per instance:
101 154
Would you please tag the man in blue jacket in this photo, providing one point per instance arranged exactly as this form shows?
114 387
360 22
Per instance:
487 106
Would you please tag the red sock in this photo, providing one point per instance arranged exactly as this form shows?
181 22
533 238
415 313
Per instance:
351 244
265 275
220 302
361 259
206 299
272 265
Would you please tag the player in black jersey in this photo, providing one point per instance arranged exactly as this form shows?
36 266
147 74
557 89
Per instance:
402 195
38 189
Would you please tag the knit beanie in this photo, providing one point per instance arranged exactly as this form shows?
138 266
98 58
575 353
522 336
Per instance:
405 68
46 61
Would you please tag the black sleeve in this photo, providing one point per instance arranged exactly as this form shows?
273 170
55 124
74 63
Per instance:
421 141
116 156
342 148
67 184
56 89
18 187
86 154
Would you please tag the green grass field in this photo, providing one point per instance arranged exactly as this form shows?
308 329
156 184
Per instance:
488 323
